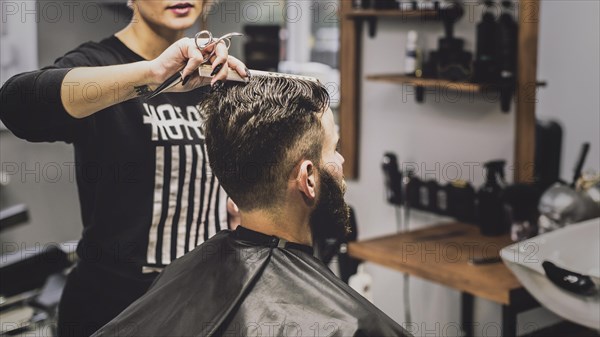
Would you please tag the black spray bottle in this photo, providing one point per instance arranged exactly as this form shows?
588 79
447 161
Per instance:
490 211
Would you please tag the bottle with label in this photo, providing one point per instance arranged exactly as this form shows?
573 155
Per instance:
424 202
432 190
442 199
414 192
412 66
425 5
406 5
461 200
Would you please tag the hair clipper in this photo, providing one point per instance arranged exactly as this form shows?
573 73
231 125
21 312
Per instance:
392 179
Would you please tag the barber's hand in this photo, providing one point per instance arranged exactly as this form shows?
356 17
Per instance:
185 52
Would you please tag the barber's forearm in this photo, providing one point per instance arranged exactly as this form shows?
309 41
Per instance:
88 90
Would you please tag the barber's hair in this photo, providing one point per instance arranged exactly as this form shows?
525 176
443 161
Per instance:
257 133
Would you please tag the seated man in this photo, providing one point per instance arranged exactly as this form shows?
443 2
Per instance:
272 145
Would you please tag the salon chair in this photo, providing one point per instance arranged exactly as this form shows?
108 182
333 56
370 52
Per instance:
31 287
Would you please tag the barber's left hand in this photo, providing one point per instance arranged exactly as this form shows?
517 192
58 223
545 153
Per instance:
221 59
185 52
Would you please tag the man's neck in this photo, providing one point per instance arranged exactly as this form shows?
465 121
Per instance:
289 226
145 40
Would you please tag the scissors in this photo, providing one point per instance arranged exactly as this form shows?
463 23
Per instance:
203 39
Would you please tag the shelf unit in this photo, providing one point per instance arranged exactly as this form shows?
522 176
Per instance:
429 82
440 84
368 13
371 16
351 22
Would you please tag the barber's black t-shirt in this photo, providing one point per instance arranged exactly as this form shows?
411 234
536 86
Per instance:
146 190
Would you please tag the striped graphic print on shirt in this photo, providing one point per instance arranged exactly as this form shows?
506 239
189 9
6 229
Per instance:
189 204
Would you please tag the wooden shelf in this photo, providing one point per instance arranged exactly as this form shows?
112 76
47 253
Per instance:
431 83
374 13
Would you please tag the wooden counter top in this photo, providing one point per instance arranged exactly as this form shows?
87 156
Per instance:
440 254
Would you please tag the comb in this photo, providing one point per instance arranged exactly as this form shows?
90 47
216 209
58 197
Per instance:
232 75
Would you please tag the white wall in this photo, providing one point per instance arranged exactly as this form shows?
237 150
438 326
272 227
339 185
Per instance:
569 60
464 132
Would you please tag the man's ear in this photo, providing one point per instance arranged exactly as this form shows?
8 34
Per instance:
306 180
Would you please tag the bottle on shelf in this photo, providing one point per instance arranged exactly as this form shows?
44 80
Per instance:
486 66
450 61
461 200
490 209
413 191
425 5
506 53
406 5
412 60
441 198
424 202
432 188
362 4
384 4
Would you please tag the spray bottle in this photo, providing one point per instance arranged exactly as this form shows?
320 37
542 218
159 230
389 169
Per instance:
490 211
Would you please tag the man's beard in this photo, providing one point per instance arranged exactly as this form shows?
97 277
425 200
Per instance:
331 217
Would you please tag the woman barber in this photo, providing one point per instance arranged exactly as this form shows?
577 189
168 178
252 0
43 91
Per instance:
146 191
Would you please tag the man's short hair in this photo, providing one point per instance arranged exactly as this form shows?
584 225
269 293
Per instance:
257 132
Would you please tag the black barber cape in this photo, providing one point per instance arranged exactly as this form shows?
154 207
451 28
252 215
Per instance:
244 283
